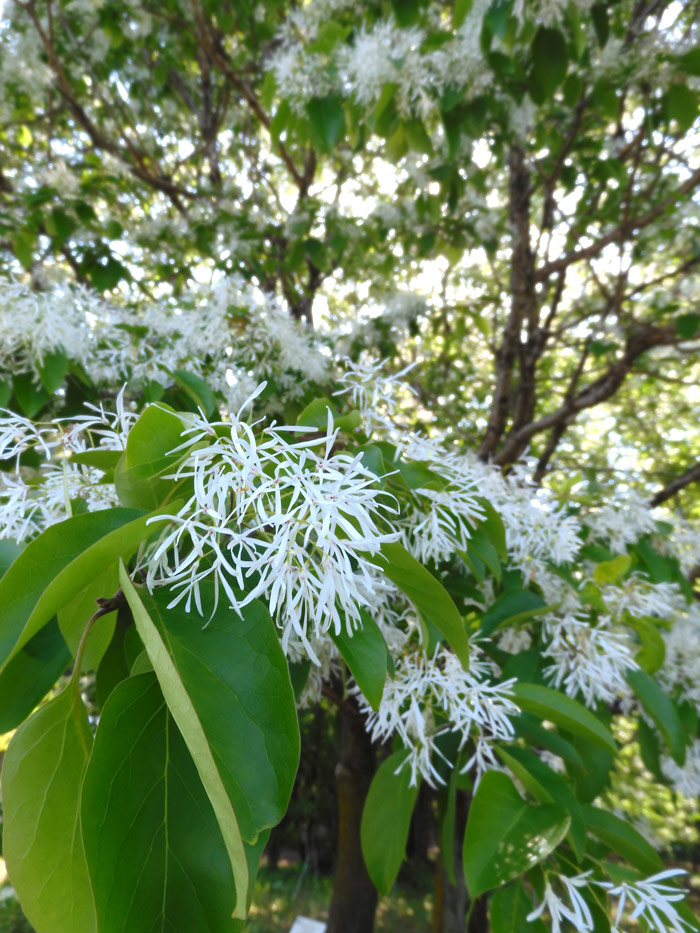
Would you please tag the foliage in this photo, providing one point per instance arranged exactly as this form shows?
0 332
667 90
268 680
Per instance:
264 515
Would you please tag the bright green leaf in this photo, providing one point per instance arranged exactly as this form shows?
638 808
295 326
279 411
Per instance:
41 781
365 653
428 595
328 119
155 854
386 820
228 688
659 706
560 709
507 835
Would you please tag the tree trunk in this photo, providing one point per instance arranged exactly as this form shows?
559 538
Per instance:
451 904
354 898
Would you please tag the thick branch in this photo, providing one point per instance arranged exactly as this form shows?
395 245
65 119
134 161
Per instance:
691 475
641 339
522 298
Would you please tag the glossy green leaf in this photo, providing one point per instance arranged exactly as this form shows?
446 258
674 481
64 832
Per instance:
511 607
29 676
506 835
612 571
428 595
386 820
58 564
546 786
31 396
622 839
687 325
365 653
138 475
197 390
228 688
41 781
549 58
154 849
74 615
53 369
327 117
554 706
681 105
509 909
661 709
652 649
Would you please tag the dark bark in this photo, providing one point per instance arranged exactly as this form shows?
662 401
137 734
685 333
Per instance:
354 898
522 299
691 475
451 904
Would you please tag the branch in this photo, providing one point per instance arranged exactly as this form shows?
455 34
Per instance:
624 229
691 475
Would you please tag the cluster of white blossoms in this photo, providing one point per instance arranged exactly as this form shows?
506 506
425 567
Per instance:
467 702
375 393
231 334
33 499
685 778
588 660
621 521
650 900
378 55
289 520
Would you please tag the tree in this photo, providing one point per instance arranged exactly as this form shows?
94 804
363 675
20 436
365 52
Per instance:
301 157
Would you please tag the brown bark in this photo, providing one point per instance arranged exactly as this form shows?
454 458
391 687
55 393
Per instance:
354 898
451 904
691 475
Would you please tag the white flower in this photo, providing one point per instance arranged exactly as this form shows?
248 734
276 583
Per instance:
578 913
374 394
275 518
421 687
588 660
685 778
651 901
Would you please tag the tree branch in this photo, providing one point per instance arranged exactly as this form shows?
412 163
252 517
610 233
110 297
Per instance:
691 475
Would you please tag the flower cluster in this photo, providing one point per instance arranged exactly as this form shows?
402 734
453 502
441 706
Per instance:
291 520
429 697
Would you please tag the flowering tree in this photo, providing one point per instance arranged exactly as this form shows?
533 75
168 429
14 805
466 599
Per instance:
241 566
519 177
261 520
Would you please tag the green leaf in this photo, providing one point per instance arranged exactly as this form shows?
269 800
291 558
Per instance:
328 119
428 595
623 839
480 544
511 607
30 396
509 908
386 820
228 688
138 478
365 653
537 735
155 853
493 525
652 652
30 675
687 325
105 460
659 706
612 571
315 415
546 786
41 780
681 105
461 10
550 59
601 23
447 827
58 564
506 835
53 369
197 391
560 709
23 247
690 61
75 614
